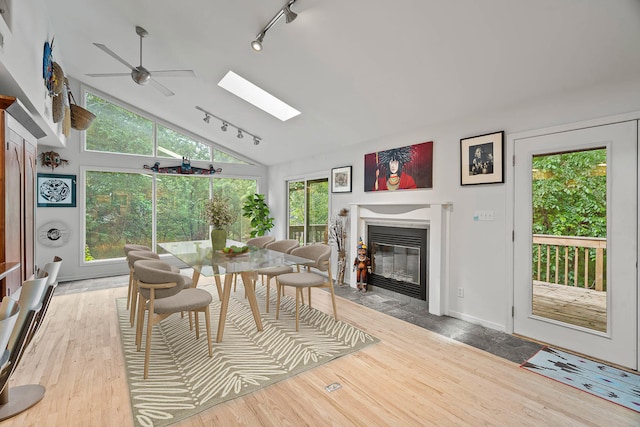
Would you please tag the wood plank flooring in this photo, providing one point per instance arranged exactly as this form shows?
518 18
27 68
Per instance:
413 377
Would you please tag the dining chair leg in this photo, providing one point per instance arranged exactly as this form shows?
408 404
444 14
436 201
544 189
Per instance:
195 317
129 289
207 322
134 301
278 293
268 285
298 295
141 308
147 350
333 302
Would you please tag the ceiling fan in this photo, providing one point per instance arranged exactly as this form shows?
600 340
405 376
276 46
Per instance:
140 74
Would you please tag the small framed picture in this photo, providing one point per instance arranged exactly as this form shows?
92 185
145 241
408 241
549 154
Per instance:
341 179
56 190
482 159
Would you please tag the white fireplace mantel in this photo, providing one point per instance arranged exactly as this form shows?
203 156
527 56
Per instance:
434 216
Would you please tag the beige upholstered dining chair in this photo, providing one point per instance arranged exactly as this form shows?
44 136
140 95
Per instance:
320 253
164 292
132 292
133 247
285 246
132 258
260 241
130 247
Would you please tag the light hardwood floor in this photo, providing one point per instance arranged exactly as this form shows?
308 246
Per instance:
413 377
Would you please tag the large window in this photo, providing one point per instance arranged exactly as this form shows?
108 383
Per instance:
175 145
116 130
179 207
308 210
147 208
118 211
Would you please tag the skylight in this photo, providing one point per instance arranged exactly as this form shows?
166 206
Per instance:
257 96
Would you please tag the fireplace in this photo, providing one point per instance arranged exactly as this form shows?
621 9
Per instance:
432 218
399 259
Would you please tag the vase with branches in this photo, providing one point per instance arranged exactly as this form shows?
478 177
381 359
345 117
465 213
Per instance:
220 214
338 235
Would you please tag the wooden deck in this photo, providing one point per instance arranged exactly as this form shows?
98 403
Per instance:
577 306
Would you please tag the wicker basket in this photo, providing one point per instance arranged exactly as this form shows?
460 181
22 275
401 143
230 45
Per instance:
57 108
81 118
57 82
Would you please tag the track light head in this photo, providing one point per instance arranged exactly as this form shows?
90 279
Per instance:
240 134
207 118
256 140
257 43
289 15
224 126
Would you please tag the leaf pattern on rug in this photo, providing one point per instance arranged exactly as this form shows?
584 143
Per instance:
183 380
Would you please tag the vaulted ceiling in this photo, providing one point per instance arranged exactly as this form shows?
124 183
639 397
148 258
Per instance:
358 70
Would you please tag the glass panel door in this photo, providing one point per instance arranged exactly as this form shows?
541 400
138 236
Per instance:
308 210
575 241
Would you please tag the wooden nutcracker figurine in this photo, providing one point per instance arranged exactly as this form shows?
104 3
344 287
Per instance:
362 266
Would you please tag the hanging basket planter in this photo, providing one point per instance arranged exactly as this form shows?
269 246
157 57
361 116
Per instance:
81 118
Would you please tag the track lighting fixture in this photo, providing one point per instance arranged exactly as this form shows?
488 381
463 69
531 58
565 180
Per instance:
226 124
289 15
257 43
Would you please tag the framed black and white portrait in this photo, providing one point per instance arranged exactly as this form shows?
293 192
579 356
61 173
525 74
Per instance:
56 190
482 159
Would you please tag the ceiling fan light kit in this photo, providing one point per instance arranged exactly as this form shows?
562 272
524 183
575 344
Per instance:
140 74
289 15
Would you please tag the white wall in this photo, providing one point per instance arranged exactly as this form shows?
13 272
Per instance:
480 250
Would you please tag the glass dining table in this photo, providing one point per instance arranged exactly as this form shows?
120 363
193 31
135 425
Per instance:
205 261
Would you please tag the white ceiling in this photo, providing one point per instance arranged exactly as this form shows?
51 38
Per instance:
358 70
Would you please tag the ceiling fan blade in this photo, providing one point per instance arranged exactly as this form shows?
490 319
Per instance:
173 73
113 54
108 74
161 88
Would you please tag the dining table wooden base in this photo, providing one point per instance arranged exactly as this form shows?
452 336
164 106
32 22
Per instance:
247 279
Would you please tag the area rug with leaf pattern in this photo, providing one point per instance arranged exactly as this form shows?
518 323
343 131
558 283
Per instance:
610 383
183 380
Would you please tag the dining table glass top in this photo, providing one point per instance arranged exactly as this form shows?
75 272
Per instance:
208 262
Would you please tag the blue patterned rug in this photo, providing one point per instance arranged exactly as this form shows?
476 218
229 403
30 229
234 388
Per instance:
613 384
183 380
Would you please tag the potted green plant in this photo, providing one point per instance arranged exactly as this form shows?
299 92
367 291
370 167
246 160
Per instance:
257 211
220 214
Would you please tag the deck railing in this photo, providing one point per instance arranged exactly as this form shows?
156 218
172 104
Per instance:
566 260
317 233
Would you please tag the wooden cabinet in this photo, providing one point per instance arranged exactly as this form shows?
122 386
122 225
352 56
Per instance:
17 198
